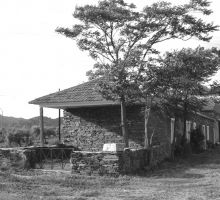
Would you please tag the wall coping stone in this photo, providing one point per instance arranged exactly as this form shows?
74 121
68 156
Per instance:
113 146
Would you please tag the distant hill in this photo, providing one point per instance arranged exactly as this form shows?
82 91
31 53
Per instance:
21 122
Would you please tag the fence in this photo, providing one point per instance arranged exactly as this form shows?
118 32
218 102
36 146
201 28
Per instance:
51 157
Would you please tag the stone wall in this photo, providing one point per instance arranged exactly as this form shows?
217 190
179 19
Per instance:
18 158
89 128
160 152
116 163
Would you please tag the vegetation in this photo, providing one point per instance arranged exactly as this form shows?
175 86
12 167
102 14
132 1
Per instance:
120 39
197 177
28 123
188 70
12 137
197 139
18 136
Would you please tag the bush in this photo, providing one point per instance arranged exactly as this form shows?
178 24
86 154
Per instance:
3 134
48 131
197 139
187 150
18 136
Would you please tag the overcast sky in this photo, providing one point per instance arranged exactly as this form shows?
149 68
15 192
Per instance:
36 61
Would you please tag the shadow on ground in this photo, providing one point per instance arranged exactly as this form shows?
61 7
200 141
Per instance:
189 167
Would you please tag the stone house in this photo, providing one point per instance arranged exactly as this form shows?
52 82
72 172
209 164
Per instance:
90 120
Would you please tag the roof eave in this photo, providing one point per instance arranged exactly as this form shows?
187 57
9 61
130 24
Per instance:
66 105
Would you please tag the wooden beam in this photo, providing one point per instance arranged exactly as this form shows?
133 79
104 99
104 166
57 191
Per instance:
59 128
42 126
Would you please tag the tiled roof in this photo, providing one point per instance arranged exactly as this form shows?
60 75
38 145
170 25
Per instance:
80 93
87 92
209 105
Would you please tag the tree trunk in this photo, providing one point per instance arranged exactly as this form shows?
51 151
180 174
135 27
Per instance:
146 119
173 142
184 123
124 122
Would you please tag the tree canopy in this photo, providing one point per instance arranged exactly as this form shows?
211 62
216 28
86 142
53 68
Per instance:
114 31
190 72
120 38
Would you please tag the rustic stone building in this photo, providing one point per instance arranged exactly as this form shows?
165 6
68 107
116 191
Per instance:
90 120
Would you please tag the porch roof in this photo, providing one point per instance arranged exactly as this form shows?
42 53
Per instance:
84 94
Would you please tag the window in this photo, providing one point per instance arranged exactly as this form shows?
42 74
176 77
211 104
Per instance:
203 131
188 128
207 132
172 129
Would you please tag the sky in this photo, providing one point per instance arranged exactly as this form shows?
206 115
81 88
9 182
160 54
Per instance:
36 61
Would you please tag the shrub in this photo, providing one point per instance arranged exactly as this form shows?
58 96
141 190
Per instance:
187 150
197 139
48 131
35 130
18 136
3 134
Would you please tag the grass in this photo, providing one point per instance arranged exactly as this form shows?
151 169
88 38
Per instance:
196 178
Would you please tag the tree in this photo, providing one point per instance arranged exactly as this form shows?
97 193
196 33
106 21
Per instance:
152 81
196 138
119 38
189 70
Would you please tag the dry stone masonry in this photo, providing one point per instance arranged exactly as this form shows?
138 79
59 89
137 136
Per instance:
129 161
18 158
90 128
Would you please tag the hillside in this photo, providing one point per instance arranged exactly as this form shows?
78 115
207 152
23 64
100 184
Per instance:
21 122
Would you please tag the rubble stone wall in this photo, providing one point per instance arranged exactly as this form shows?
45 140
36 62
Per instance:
16 157
116 163
89 128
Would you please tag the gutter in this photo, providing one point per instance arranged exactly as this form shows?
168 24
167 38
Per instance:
201 115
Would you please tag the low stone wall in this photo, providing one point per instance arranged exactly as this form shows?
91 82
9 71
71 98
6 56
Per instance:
160 152
107 163
19 158
116 163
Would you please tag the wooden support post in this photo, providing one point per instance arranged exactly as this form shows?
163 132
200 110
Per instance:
59 128
42 126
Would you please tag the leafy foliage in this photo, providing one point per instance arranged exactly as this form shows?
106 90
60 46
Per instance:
48 131
2 135
28 123
196 139
188 69
18 136
120 38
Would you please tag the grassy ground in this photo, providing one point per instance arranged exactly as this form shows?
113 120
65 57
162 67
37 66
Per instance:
196 178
